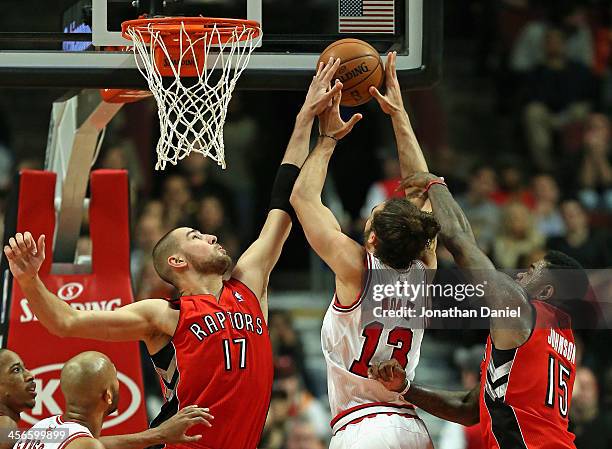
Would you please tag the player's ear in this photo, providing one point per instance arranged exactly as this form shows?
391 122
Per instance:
372 240
108 396
546 293
176 261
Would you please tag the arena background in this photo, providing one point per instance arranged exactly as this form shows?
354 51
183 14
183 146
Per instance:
527 151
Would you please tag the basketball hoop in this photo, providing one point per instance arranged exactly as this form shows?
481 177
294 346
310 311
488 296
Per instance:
174 55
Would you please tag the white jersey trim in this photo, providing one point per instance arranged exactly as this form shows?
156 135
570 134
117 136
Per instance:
367 410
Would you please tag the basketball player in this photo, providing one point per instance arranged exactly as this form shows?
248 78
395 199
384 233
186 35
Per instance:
211 346
91 390
399 246
528 371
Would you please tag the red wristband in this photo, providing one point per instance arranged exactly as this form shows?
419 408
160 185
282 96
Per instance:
434 182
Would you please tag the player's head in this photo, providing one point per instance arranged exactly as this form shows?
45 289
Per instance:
186 249
17 387
89 384
398 232
557 276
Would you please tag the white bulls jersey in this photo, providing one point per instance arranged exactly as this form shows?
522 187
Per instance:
355 337
52 433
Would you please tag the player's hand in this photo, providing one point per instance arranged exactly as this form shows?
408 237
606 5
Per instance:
331 123
173 430
391 103
390 374
25 256
320 93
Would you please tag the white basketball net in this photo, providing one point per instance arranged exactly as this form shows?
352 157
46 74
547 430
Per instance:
192 111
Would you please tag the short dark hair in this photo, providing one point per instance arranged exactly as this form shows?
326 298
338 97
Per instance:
161 251
402 232
567 275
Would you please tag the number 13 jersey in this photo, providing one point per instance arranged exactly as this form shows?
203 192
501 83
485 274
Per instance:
354 338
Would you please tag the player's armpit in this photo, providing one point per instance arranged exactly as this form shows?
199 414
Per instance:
84 443
256 263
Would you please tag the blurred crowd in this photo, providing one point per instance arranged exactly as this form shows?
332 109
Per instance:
546 184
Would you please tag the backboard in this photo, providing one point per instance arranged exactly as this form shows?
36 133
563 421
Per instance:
294 34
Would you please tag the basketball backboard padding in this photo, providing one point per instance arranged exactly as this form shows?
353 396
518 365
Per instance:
283 61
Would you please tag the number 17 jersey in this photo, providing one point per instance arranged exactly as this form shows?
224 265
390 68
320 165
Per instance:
354 338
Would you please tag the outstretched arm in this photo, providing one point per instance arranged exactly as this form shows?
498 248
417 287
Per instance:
410 154
255 265
458 406
343 255
139 321
501 291
169 432
409 151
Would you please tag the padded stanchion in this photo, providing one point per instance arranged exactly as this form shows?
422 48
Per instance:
106 288
109 225
36 212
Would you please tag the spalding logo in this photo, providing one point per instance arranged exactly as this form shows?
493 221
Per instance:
70 291
47 388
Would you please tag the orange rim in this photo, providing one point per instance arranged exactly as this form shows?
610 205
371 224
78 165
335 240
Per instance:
195 27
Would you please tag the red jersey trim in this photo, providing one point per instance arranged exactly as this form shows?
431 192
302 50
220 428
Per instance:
372 415
338 307
73 437
348 411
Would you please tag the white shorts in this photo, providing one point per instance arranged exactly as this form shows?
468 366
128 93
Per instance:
383 432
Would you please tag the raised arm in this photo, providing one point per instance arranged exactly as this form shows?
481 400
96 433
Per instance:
343 255
411 157
143 320
255 265
409 151
458 406
501 291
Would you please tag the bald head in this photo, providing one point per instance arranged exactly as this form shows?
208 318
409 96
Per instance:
166 247
89 381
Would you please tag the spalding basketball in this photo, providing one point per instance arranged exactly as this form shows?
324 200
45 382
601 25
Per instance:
360 68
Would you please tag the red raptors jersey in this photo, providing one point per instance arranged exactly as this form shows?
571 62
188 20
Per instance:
220 357
525 392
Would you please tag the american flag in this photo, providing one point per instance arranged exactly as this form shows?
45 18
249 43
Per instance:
367 16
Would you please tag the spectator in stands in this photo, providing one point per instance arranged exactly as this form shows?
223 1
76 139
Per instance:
518 236
547 216
591 249
530 47
453 435
212 219
482 213
595 176
149 230
559 92
275 428
302 435
176 200
591 425
512 186
301 402
196 169
386 187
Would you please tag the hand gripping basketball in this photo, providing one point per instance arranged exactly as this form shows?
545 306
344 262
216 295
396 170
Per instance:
25 256
320 95
391 103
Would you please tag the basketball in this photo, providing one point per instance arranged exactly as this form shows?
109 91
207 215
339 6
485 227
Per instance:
360 68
